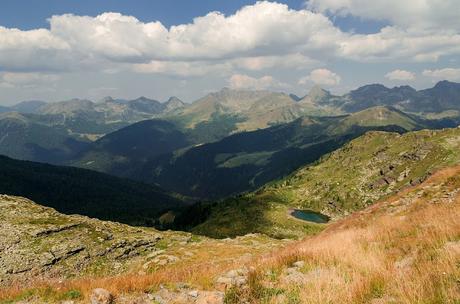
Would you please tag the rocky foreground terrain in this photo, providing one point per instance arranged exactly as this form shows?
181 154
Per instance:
41 247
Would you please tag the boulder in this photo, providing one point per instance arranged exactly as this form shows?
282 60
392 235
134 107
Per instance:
101 296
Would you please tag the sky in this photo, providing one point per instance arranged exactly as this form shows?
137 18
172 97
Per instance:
56 50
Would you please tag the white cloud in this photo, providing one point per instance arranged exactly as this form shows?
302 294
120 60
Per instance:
435 14
418 30
265 27
394 43
182 68
241 81
260 36
400 75
22 80
452 74
257 63
225 67
32 50
322 77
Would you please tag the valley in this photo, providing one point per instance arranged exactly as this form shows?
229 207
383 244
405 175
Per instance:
404 263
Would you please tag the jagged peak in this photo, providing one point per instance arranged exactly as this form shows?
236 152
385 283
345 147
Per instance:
445 84
174 99
107 99
316 92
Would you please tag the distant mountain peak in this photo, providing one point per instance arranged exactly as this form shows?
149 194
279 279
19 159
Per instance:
445 84
28 106
316 93
174 99
370 88
142 98
107 99
405 87
173 103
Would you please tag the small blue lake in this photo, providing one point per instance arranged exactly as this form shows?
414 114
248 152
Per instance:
310 216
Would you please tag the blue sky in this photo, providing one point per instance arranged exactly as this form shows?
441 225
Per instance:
163 48
169 13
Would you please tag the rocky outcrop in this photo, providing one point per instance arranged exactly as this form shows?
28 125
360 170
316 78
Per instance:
233 278
101 296
39 241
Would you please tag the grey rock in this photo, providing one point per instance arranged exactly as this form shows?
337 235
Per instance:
299 264
101 296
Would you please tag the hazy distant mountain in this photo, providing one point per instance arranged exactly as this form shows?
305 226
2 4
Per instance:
55 132
121 151
377 94
243 110
68 107
320 101
30 106
145 105
444 96
173 104
22 138
4 109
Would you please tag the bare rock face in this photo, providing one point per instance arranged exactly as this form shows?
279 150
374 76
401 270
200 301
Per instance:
101 296
35 240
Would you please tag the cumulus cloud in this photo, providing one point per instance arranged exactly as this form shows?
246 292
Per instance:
241 81
265 27
439 14
452 74
393 43
33 50
400 75
203 67
265 35
322 77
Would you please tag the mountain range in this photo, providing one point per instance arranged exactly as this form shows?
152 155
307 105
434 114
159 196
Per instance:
240 162
225 143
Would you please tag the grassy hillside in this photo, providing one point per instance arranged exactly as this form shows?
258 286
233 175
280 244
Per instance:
363 171
404 249
73 190
377 117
